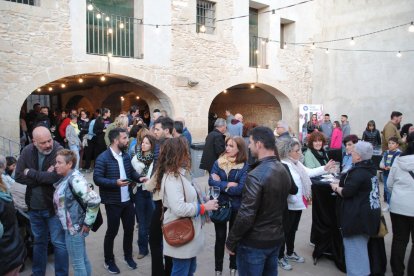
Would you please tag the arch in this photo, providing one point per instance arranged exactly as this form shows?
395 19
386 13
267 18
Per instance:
79 101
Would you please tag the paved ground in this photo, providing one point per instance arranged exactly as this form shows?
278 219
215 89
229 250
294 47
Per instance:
205 261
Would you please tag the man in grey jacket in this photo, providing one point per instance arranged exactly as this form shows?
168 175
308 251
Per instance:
327 127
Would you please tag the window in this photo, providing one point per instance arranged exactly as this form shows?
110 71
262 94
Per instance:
287 32
26 2
206 21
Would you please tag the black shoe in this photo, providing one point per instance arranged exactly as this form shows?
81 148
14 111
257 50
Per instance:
112 267
131 264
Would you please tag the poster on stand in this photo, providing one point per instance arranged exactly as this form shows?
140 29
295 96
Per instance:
305 114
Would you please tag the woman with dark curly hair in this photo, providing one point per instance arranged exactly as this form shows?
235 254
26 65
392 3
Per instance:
180 198
372 135
316 156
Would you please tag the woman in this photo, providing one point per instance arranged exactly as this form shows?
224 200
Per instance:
180 199
120 121
313 124
359 210
401 184
12 249
290 153
134 144
315 155
349 143
336 139
72 136
143 163
372 135
229 173
83 123
76 206
99 129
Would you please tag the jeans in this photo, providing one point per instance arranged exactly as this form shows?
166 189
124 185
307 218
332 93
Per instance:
292 223
356 255
183 267
387 194
155 242
77 254
221 234
257 261
115 213
402 228
75 149
43 223
144 207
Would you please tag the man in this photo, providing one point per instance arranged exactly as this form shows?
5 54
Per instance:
327 127
90 149
282 130
186 132
390 130
214 145
35 168
42 118
113 173
346 128
229 117
133 113
257 232
235 128
178 129
155 115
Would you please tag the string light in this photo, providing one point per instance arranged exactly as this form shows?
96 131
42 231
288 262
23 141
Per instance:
38 90
90 7
327 51
157 30
313 46
110 31
256 52
109 55
122 98
107 18
252 86
137 97
121 25
411 28
80 80
203 29
225 91
352 42
103 78
50 88
63 85
99 16
285 45
399 54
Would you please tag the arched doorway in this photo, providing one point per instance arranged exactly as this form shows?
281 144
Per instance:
256 104
79 101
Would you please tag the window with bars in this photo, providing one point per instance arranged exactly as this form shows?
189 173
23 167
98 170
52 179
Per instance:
26 2
206 17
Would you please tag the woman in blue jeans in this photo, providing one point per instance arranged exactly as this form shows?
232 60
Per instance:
229 173
143 164
76 206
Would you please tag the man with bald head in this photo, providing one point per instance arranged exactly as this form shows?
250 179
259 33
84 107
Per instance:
35 168
235 128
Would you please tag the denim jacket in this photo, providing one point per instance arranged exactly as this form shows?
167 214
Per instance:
71 214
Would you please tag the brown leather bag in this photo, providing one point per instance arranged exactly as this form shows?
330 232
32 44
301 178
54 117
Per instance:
180 231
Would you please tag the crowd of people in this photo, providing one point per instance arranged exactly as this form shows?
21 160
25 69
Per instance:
258 186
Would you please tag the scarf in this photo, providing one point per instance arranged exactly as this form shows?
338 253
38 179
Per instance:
6 196
320 155
147 160
76 127
304 177
228 163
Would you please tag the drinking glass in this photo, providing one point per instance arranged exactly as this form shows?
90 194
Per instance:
214 192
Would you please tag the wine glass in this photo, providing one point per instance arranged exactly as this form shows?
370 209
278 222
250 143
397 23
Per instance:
214 192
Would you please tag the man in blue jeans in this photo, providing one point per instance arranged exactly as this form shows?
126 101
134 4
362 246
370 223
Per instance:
257 232
35 168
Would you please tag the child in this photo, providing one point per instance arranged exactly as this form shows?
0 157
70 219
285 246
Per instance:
386 163
8 173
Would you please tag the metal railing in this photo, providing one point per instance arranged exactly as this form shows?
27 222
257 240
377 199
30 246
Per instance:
9 147
26 2
258 52
119 36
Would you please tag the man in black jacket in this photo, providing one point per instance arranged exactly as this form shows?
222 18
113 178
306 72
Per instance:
257 232
113 174
214 146
35 168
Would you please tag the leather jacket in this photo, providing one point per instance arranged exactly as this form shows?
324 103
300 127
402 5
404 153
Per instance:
259 221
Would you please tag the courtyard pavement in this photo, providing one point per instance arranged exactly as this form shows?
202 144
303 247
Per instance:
205 261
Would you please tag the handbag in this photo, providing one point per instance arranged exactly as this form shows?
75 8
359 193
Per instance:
222 214
180 231
383 229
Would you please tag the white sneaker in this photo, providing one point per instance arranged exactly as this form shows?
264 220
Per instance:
386 207
295 258
284 264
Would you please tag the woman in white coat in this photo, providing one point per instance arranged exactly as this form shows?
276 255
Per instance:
290 154
181 200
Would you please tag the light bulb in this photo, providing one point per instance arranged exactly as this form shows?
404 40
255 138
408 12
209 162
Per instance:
399 54
137 97
103 78
411 28
38 90
110 31
327 51
203 29
121 25
352 42
225 91
256 52
313 46
252 86
80 80
285 45
110 55
99 16
50 89
263 42
107 18
63 85
157 29
122 98
90 7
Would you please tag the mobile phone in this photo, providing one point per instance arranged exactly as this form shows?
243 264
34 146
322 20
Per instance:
127 179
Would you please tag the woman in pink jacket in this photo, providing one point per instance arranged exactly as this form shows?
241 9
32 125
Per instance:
336 139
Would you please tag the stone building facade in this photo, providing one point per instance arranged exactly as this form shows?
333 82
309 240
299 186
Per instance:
185 72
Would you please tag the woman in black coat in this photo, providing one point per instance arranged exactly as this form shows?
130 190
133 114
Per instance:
372 135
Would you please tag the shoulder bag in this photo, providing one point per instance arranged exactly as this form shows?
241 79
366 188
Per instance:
180 231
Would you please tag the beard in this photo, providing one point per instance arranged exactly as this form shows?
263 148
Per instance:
45 151
122 147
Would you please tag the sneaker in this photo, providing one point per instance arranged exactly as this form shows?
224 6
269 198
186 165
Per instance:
112 267
233 272
131 264
218 273
284 264
141 256
386 207
295 258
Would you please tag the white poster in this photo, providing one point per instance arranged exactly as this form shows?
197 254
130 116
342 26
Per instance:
305 114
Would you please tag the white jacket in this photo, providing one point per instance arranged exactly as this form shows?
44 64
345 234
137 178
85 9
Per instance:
401 185
295 202
139 167
172 194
